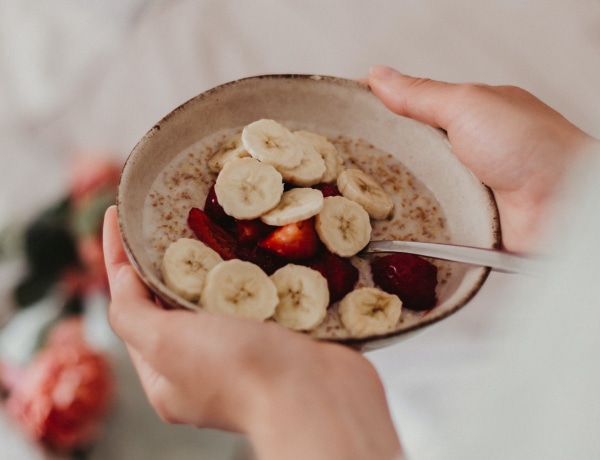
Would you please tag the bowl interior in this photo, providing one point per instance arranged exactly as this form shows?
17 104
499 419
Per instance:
332 107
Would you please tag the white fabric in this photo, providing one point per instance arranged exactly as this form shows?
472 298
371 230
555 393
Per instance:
533 394
98 74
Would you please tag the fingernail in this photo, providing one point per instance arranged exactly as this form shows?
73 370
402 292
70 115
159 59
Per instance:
383 72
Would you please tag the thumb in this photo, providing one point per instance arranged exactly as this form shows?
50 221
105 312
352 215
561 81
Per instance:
422 99
122 278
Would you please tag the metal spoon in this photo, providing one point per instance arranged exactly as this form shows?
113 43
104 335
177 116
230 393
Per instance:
495 259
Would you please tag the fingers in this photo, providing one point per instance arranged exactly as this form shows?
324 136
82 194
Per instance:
114 253
131 302
124 284
428 101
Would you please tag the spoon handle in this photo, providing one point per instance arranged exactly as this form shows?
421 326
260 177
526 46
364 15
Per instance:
496 260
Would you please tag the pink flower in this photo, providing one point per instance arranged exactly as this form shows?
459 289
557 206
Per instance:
92 188
90 173
91 275
62 397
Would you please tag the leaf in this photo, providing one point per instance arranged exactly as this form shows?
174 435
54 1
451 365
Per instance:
50 246
33 288
88 219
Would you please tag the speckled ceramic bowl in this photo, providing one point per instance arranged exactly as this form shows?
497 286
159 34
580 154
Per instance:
333 107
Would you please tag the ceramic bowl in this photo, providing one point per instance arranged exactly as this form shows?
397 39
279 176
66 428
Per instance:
330 106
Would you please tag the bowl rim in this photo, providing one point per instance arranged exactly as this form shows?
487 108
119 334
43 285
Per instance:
362 344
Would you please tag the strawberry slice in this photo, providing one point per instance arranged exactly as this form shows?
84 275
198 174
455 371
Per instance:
249 233
327 189
266 260
293 242
340 273
410 277
252 231
211 234
215 211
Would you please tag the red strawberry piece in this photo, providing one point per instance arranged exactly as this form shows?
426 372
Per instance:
215 211
251 231
340 273
266 260
327 189
410 277
211 234
293 242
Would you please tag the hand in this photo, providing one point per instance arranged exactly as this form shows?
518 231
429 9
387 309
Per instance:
515 144
295 398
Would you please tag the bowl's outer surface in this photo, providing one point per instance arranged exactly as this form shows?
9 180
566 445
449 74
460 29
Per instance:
331 106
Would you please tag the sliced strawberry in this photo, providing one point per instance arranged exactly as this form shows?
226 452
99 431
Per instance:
294 241
327 189
340 273
211 234
266 260
410 277
249 233
252 231
215 211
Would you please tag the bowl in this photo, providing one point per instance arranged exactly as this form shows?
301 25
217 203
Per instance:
341 109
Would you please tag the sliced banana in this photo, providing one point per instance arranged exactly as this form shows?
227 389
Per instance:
185 265
303 297
343 226
233 148
309 171
357 185
334 163
240 288
272 143
295 205
369 311
248 188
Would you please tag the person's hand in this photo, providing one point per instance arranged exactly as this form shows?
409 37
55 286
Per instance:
296 398
518 146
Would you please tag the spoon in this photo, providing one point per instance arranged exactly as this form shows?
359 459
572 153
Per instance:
495 259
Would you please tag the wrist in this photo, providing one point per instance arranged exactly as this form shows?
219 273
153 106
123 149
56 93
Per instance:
327 403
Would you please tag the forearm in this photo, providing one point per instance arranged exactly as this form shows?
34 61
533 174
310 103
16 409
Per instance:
336 411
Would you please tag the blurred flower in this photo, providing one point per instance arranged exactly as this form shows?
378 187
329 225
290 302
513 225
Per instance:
90 274
62 396
92 189
90 173
63 243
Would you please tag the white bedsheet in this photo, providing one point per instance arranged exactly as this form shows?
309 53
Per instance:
96 75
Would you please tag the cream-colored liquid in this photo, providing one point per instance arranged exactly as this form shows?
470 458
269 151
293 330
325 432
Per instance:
185 182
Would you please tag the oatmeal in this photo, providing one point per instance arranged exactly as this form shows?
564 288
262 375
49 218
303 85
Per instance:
185 183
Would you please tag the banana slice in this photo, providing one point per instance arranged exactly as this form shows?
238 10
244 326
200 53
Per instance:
334 163
309 171
343 226
239 288
233 148
357 185
272 143
247 188
303 297
369 311
185 265
296 204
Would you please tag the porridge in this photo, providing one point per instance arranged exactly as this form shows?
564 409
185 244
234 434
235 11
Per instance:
188 180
